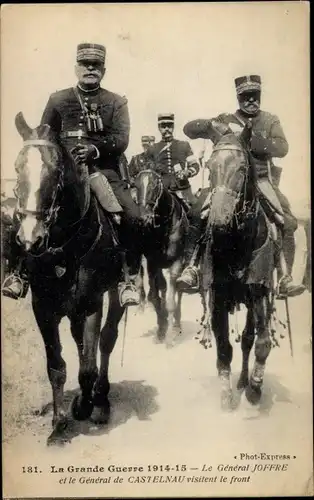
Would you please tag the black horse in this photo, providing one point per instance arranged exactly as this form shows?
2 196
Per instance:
72 260
165 227
238 263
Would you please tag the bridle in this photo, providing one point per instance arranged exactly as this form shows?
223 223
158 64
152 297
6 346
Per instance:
246 207
154 205
51 214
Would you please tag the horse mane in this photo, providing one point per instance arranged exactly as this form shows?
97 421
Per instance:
242 141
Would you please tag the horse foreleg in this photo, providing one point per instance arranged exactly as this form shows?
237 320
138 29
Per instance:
204 335
178 311
108 338
220 323
157 301
140 285
262 348
247 341
48 324
173 307
85 331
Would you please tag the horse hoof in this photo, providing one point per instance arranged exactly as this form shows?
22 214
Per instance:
243 382
57 440
59 427
101 415
161 336
253 394
81 408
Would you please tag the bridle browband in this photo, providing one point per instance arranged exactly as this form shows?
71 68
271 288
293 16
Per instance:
39 142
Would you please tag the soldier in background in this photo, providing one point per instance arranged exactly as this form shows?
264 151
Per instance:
140 162
93 125
173 159
268 141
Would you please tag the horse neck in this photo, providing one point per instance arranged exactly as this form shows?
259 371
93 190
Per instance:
165 204
74 198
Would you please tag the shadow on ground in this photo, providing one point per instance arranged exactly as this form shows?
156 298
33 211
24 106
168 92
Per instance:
189 329
273 392
128 399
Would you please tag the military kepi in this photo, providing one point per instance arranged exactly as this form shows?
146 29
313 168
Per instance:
247 83
166 117
90 52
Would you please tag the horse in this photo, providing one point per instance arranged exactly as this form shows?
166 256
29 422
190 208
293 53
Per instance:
72 260
237 264
165 226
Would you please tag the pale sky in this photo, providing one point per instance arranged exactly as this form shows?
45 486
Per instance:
180 58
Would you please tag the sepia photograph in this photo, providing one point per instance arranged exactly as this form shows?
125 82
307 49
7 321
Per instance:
156 332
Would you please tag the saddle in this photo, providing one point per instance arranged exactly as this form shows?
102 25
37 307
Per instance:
183 202
270 202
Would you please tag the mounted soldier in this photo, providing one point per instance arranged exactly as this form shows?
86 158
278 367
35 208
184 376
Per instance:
173 160
93 124
268 141
139 162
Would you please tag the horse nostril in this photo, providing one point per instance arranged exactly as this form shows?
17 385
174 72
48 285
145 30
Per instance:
39 241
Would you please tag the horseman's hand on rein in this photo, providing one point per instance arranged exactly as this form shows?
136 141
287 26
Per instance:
84 153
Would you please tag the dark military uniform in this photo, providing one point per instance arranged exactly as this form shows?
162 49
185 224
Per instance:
267 141
168 159
93 125
138 163
65 116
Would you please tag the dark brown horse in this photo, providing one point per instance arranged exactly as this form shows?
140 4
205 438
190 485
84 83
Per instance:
72 261
238 263
165 227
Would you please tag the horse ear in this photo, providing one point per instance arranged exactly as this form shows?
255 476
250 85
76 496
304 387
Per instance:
23 129
246 133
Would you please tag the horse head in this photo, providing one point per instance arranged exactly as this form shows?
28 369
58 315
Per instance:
42 167
149 188
231 178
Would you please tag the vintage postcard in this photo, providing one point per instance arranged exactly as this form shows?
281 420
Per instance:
155 250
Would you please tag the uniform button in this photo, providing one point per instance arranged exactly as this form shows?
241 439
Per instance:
81 117
80 124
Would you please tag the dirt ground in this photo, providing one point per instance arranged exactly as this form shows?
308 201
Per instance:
165 410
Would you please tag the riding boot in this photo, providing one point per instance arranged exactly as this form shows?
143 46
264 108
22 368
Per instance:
286 287
189 279
16 285
129 294
101 188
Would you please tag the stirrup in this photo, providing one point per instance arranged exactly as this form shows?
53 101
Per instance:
184 285
279 295
24 287
128 287
298 290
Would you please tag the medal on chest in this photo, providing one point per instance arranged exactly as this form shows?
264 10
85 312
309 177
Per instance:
93 118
